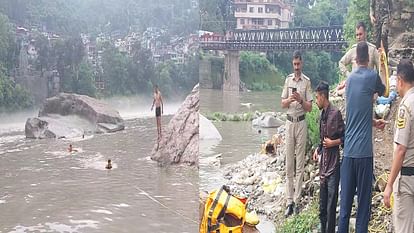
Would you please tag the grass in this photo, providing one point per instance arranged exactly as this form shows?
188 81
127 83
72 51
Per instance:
304 222
312 119
220 116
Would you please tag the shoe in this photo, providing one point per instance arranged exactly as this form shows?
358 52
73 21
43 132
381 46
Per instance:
289 209
297 209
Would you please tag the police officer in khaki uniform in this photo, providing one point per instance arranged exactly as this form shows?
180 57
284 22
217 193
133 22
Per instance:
401 179
297 98
350 56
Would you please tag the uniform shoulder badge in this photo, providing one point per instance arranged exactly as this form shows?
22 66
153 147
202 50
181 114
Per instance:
401 119
305 77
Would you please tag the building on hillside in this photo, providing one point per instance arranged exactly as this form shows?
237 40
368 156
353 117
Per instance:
262 14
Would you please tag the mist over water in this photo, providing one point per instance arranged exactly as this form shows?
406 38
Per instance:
12 122
140 106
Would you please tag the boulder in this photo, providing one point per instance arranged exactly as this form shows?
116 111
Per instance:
267 121
207 130
179 141
71 115
37 128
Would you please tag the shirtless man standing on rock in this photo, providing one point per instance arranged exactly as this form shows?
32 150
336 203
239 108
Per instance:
159 109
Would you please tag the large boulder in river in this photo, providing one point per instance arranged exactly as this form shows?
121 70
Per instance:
72 115
267 120
207 130
179 141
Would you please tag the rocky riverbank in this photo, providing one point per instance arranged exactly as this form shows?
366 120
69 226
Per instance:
261 178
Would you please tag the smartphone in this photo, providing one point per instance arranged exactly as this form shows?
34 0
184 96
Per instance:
294 89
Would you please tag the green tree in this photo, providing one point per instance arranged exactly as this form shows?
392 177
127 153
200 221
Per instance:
115 72
217 15
144 69
43 47
320 13
4 40
12 96
258 73
358 11
85 84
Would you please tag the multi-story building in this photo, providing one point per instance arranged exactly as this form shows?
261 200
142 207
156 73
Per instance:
262 14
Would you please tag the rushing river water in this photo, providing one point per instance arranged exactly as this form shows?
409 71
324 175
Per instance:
44 188
240 139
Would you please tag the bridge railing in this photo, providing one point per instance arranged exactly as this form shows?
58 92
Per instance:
324 38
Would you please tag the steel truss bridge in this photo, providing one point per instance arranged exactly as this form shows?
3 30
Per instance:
329 38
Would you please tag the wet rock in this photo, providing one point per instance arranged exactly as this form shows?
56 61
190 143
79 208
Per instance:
37 128
71 115
266 172
267 121
207 130
179 141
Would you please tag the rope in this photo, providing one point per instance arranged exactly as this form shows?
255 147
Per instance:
166 207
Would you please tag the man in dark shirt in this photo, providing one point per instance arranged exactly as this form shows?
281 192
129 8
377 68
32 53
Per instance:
332 130
357 164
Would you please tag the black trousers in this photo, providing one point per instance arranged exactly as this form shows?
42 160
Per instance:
327 202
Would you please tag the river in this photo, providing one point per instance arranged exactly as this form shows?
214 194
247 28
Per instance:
240 139
44 188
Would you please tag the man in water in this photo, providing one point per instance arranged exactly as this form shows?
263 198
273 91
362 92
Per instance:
159 109
71 149
109 164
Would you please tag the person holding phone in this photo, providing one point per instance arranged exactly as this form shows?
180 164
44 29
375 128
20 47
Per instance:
297 99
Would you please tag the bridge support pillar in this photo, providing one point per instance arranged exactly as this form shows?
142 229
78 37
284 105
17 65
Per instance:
205 73
231 80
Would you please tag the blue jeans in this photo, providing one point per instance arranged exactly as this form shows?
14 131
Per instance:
356 174
327 202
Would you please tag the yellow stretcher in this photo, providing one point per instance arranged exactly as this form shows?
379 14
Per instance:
225 213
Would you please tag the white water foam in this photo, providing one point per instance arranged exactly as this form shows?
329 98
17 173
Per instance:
57 227
121 205
14 150
97 162
100 211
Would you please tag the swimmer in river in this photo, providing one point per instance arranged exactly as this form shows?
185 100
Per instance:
109 165
71 149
